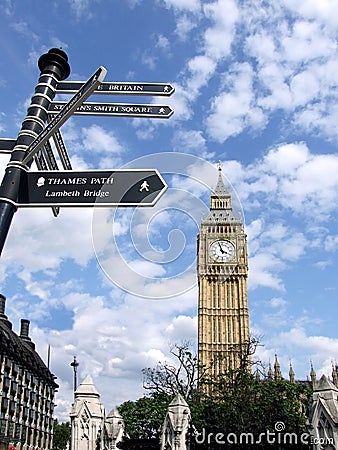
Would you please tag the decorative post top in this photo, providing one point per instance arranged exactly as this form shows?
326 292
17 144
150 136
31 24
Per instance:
55 57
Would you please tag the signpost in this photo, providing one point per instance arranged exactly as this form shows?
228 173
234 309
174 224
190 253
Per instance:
44 159
62 151
7 145
83 93
118 88
117 109
123 187
21 187
53 67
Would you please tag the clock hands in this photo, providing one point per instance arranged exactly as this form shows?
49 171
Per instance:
221 248
222 251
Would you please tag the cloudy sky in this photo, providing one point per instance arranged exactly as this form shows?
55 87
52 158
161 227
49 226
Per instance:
256 88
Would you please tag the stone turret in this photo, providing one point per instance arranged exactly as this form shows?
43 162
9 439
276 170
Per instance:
176 425
323 414
291 374
270 374
277 372
87 417
334 375
313 376
114 427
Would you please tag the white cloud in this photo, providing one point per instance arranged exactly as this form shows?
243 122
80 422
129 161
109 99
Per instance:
201 68
323 10
293 177
286 159
128 336
183 326
219 36
163 43
306 41
96 139
184 5
184 26
38 241
192 141
233 110
277 302
265 271
331 243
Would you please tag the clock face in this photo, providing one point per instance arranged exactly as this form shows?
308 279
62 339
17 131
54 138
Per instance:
222 251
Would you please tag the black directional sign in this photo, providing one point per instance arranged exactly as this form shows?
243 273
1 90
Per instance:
119 88
117 109
132 187
80 96
7 145
62 151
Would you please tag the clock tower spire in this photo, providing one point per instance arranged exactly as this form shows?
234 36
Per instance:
222 269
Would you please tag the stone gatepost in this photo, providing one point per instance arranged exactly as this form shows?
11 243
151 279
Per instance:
176 425
87 417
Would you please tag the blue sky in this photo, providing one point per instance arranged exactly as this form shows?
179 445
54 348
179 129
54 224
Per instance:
256 88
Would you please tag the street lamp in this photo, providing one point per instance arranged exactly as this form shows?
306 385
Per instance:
75 364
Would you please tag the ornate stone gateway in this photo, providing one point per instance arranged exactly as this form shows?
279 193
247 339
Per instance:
91 429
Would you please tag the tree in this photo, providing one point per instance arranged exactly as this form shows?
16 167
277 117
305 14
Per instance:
143 418
236 402
180 378
61 435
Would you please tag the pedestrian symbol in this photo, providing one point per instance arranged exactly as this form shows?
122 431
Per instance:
144 186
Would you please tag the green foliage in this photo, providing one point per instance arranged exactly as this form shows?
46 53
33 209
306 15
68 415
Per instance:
244 404
61 436
144 417
236 402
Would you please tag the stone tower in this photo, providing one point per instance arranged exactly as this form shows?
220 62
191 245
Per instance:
176 425
87 417
91 429
222 269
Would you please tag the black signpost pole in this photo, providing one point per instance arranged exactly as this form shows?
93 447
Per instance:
54 67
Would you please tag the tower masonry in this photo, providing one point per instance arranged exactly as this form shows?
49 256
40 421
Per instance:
222 269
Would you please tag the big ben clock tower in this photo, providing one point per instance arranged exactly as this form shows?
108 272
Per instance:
222 266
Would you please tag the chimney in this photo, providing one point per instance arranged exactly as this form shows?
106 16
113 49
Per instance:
24 333
24 330
2 305
2 311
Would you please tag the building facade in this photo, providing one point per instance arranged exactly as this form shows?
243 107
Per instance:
27 390
222 269
323 414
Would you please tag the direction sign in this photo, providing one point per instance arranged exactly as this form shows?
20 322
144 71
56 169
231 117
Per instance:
62 151
119 88
123 187
44 159
117 109
7 145
77 100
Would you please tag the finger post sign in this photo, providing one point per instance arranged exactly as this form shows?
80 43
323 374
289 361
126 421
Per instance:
124 187
22 187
